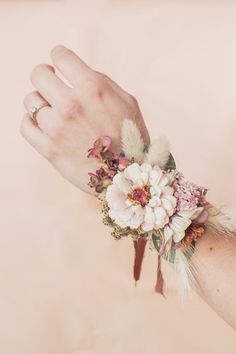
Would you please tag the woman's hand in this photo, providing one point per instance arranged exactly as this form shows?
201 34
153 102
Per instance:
76 114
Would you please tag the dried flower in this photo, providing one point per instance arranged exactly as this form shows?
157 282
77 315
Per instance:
101 145
131 141
179 222
189 195
141 197
110 164
192 234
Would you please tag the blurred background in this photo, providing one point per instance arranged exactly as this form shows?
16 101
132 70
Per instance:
65 285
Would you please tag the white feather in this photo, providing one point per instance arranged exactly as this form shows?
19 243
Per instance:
221 222
158 152
132 142
185 274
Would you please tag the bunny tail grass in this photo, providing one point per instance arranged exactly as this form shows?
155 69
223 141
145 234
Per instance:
132 142
158 152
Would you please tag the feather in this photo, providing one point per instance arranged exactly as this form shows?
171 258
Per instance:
159 287
132 142
221 222
158 152
186 274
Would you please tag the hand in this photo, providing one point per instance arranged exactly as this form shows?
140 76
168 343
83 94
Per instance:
76 114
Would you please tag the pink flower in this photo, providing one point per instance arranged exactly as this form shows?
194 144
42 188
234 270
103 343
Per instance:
189 195
141 197
110 164
100 180
123 163
101 145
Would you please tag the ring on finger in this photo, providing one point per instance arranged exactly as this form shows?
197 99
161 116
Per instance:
35 109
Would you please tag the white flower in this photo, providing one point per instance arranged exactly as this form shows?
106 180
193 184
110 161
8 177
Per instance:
141 196
179 223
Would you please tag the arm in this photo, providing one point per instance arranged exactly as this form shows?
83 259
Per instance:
215 263
93 105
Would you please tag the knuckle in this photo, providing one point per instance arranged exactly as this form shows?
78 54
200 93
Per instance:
59 52
38 70
71 109
97 87
133 100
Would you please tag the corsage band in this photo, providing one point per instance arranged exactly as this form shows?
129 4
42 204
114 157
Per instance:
144 196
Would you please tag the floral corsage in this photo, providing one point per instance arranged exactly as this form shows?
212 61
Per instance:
144 196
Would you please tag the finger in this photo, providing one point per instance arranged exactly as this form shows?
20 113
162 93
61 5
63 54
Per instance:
49 85
35 136
70 65
34 99
46 118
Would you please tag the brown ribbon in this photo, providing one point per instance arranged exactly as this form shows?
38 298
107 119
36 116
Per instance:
139 247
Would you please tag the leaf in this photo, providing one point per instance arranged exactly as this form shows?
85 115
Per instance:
157 242
190 250
170 165
169 256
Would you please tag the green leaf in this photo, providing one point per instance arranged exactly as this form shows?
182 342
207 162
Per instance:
168 256
157 242
170 165
146 147
190 250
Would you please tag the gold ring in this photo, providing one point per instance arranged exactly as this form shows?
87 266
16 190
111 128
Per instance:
34 110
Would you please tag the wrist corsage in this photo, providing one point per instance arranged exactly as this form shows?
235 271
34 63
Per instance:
144 196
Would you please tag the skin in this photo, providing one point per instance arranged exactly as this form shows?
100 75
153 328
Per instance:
215 264
90 106
76 113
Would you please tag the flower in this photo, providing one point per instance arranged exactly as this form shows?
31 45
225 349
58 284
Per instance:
109 162
193 233
141 196
175 230
189 195
123 163
100 179
101 145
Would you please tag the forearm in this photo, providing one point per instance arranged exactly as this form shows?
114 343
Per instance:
66 121
215 264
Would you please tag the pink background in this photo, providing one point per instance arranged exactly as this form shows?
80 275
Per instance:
65 285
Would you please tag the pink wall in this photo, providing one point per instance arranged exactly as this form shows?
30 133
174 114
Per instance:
65 286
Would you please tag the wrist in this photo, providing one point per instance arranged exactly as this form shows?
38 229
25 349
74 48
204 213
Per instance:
144 196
